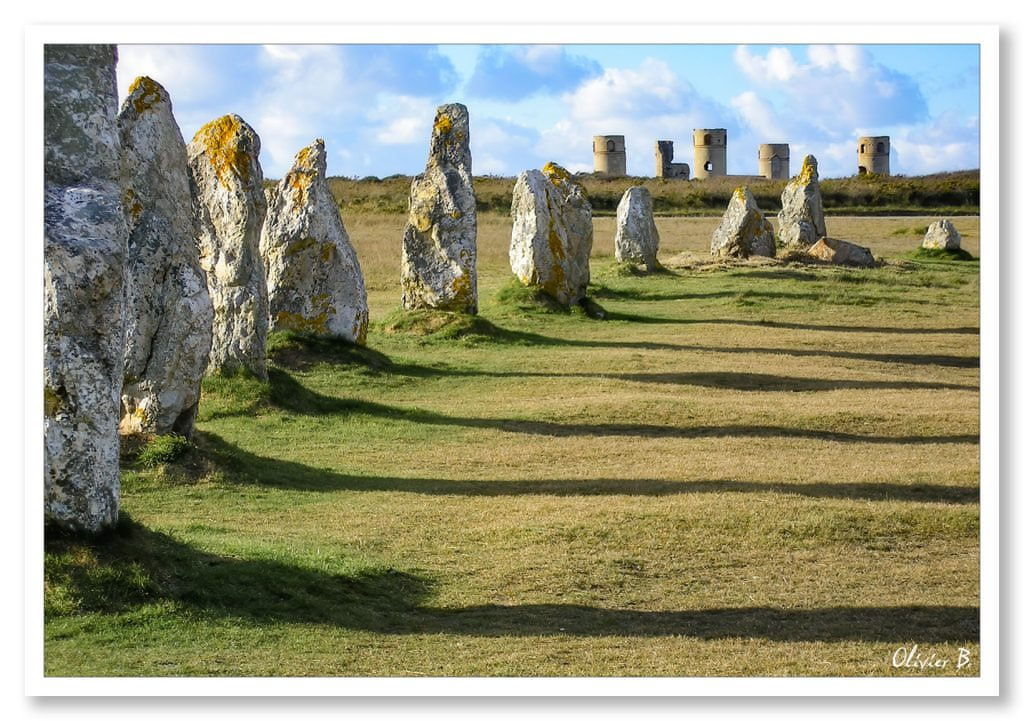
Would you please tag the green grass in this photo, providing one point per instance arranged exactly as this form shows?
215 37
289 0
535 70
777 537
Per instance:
940 254
744 470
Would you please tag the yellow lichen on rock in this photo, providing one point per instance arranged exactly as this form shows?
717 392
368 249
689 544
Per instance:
462 287
220 139
151 94
51 402
443 124
807 170
556 173
299 183
296 321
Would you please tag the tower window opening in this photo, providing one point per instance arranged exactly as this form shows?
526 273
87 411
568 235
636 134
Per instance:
861 170
881 148
862 147
708 167
611 146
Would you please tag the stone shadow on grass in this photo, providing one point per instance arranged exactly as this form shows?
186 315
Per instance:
133 565
244 467
290 395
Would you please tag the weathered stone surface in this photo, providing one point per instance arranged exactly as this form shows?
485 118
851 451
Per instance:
314 283
744 230
636 237
439 245
229 205
841 252
168 313
83 287
941 235
552 233
802 218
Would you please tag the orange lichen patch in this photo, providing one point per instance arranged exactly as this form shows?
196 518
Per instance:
456 214
130 203
327 252
443 124
145 93
220 139
302 159
299 182
741 193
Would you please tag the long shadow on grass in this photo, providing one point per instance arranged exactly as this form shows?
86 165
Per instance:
752 381
135 565
244 467
288 394
485 331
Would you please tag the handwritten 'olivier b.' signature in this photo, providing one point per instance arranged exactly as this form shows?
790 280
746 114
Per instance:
914 659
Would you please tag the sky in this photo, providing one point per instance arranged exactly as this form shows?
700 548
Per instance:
374 105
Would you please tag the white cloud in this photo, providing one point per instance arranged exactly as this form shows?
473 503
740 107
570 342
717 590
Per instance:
823 105
183 70
840 86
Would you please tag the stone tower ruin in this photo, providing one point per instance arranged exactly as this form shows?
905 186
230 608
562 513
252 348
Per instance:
663 165
610 154
709 152
773 161
873 155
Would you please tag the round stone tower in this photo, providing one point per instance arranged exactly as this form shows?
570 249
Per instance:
610 154
773 161
873 155
708 152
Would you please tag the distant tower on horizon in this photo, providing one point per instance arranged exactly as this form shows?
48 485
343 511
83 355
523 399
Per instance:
773 161
709 152
610 155
663 165
873 155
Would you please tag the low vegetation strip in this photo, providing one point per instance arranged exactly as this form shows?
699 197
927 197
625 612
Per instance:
956 193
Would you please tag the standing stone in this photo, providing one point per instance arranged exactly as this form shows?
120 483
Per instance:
802 218
83 287
941 235
636 237
314 283
552 233
439 245
841 252
169 315
229 205
744 230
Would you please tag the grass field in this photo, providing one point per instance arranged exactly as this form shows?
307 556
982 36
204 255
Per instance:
747 469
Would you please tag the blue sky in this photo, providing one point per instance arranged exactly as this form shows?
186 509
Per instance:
374 104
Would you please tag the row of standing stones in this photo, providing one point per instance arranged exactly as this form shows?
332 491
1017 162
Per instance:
745 231
165 261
